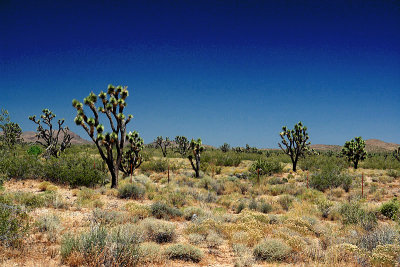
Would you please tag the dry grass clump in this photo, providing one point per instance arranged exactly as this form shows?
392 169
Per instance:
184 252
49 224
158 231
271 249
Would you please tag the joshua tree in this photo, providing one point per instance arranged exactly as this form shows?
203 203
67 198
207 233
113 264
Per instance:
354 150
396 153
113 104
11 131
225 147
163 144
49 138
132 159
182 145
295 142
196 148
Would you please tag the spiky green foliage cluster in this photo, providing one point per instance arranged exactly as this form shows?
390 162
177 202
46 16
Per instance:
354 151
49 137
225 147
197 148
11 131
182 145
112 104
163 144
396 154
294 142
132 159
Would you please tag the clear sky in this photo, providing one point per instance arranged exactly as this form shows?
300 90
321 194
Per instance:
225 71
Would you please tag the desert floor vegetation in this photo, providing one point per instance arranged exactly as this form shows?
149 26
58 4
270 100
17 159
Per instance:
63 211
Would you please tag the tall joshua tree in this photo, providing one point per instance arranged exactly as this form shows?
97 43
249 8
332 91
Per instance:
354 150
11 131
112 106
49 137
196 148
132 159
225 147
396 153
294 142
182 144
163 144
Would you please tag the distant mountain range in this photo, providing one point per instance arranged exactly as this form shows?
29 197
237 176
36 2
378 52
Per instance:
30 137
372 145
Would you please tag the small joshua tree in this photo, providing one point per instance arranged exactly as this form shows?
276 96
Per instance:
294 142
132 159
49 138
196 148
354 150
396 153
225 147
11 131
163 144
182 145
113 104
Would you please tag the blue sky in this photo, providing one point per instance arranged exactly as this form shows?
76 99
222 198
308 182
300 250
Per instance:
225 71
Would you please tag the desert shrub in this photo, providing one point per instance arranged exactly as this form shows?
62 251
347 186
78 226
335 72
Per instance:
353 213
330 177
244 257
34 150
21 167
73 170
163 211
158 231
285 201
157 165
253 205
380 162
385 255
276 180
150 253
49 224
391 209
271 249
266 167
196 239
131 190
213 240
241 206
86 196
28 199
138 210
265 207
14 223
102 247
104 217
325 207
319 162
47 186
190 211
393 173
184 252
380 236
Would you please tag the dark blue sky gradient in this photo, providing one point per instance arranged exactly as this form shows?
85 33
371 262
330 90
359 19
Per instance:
225 71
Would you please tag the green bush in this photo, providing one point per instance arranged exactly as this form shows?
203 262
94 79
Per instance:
286 201
157 165
184 252
163 211
14 223
391 209
190 211
271 249
133 191
353 213
34 150
265 207
158 231
49 224
101 247
266 167
330 177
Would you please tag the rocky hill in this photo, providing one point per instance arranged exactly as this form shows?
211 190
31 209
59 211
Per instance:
30 137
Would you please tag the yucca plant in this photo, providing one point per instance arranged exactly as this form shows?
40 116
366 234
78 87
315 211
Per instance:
396 153
294 142
163 144
197 148
182 145
354 150
132 159
112 106
49 137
